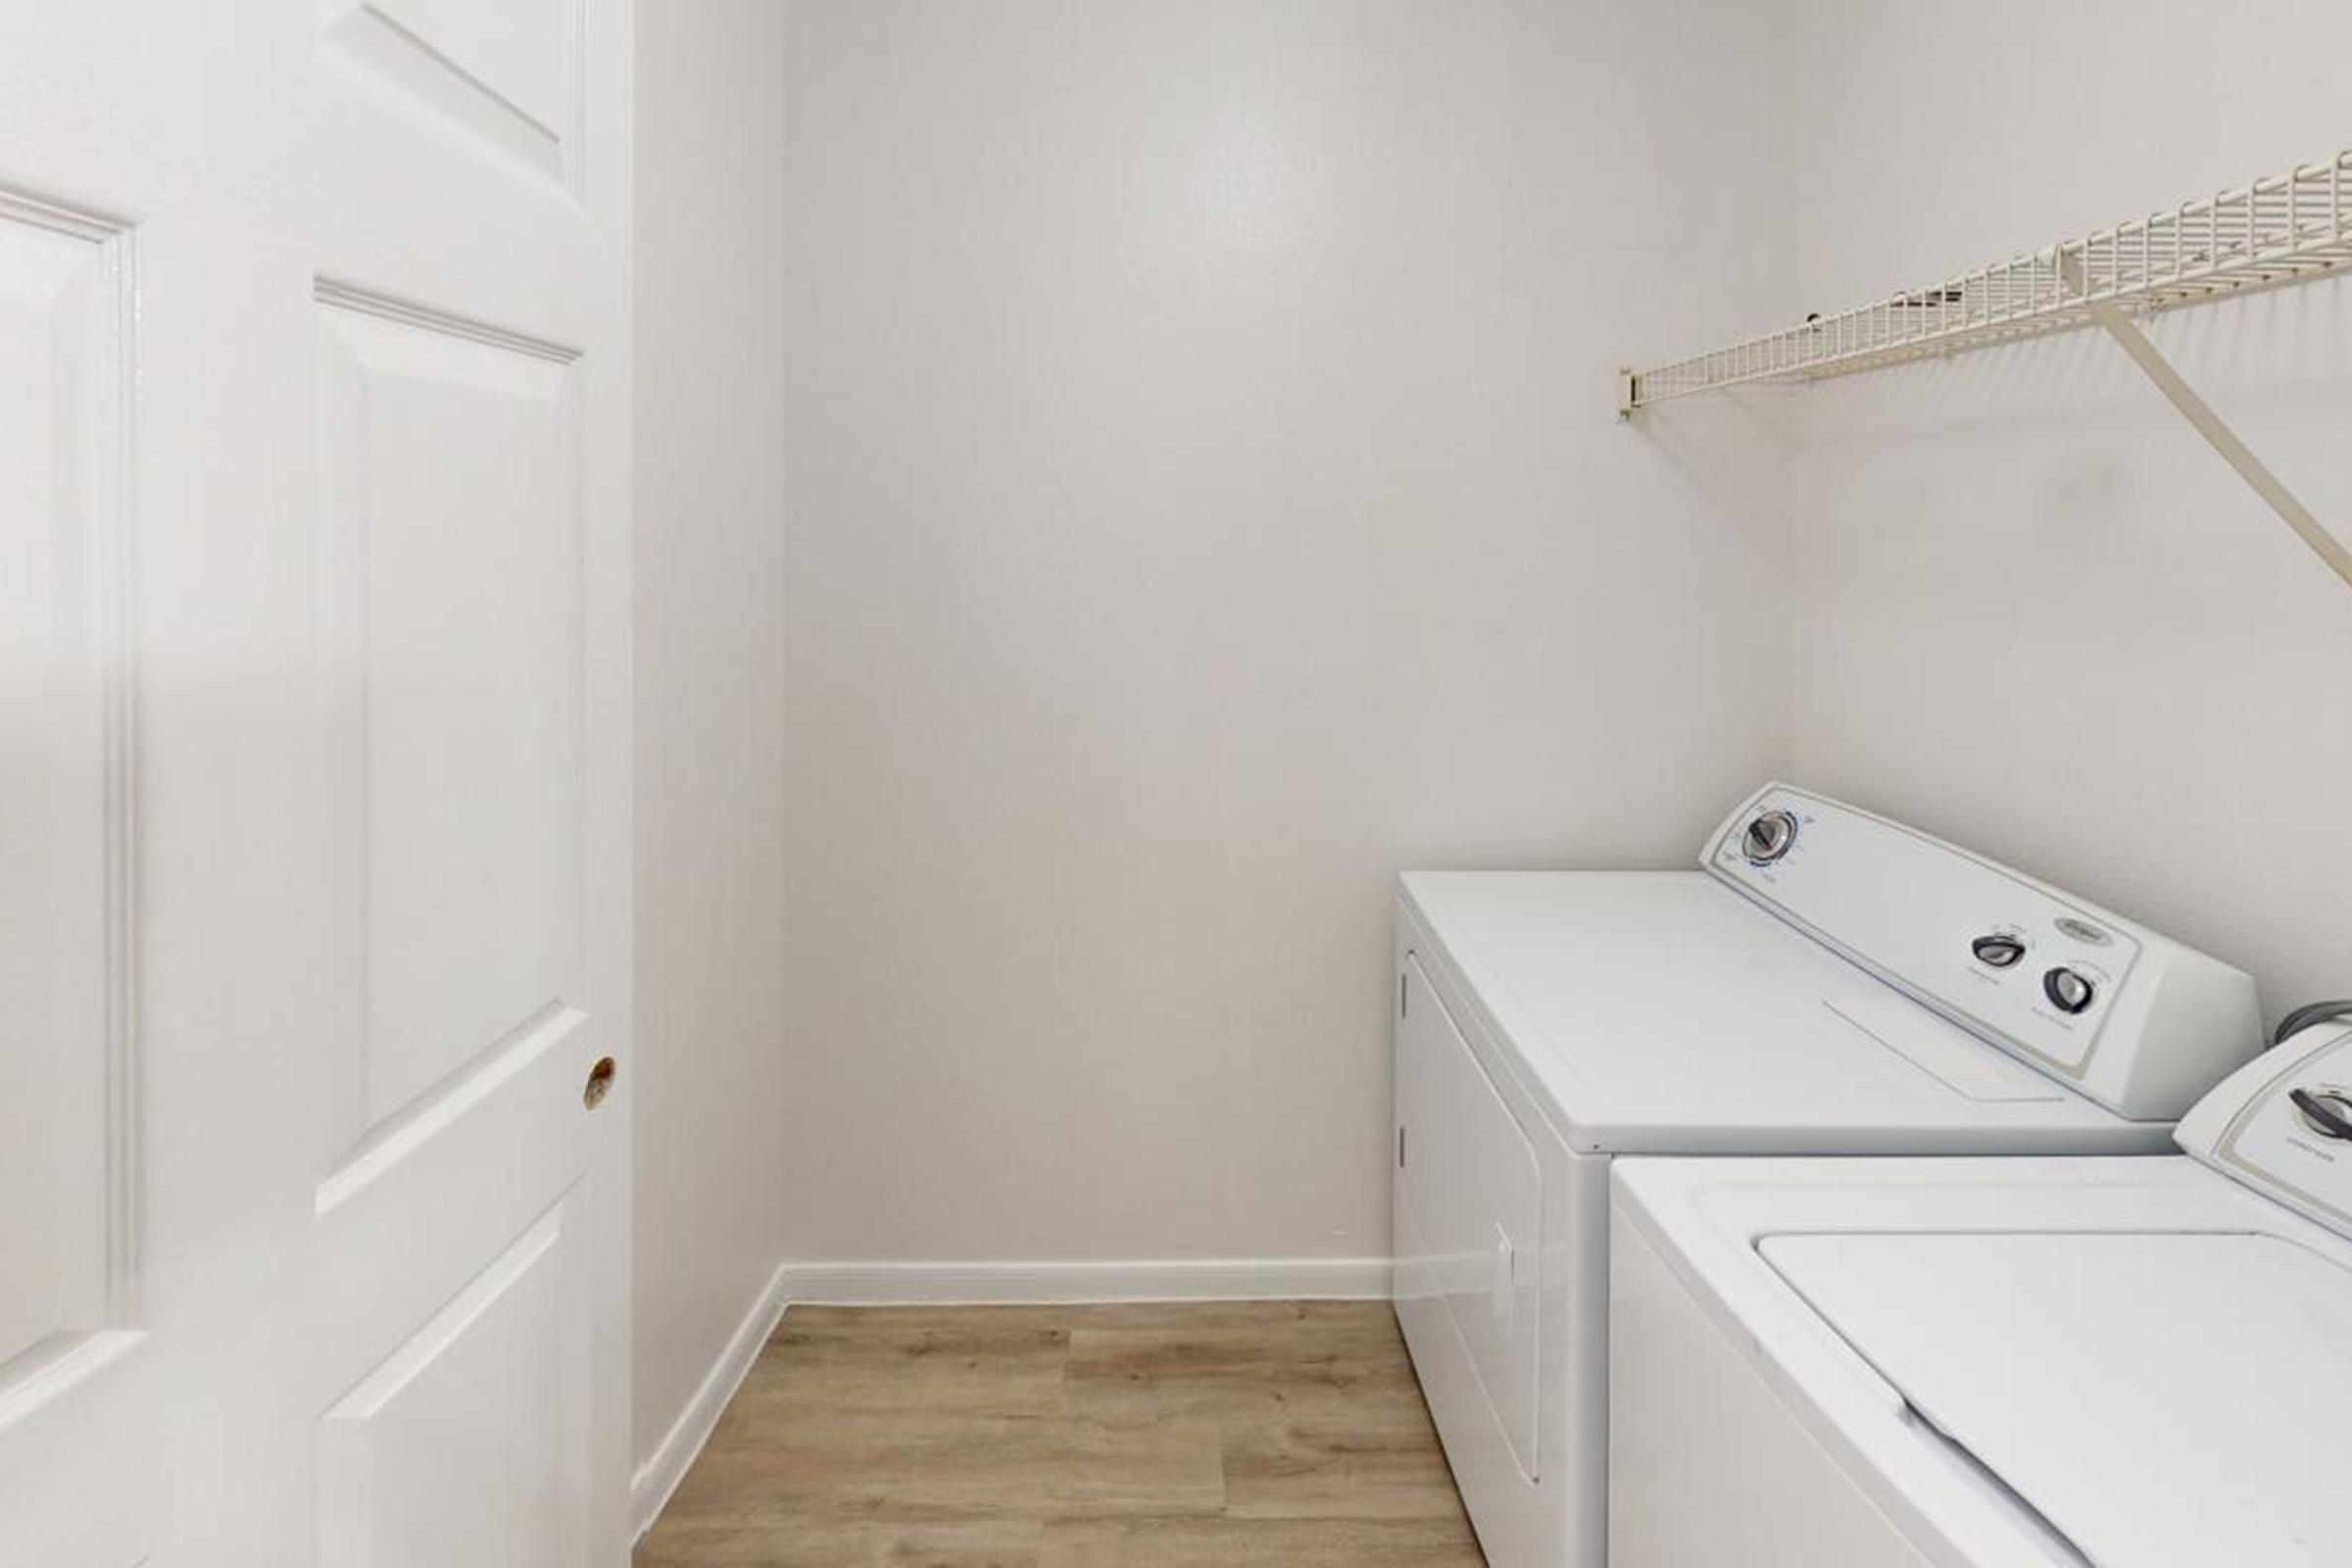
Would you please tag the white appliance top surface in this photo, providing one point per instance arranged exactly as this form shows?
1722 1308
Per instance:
2161 1398
2126 1305
1659 1011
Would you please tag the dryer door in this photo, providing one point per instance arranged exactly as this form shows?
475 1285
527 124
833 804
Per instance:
1471 1193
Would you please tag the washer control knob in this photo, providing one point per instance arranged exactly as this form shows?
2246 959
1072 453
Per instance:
2000 949
1768 836
2068 990
2326 1112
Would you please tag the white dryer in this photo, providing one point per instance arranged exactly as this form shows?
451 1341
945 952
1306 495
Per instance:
1829 982
2132 1364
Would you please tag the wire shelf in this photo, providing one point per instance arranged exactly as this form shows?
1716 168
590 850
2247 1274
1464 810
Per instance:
2285 229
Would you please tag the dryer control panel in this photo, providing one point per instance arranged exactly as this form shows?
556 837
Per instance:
2283 1125
2126 1016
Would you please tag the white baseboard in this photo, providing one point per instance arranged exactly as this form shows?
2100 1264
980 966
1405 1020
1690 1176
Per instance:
655 1478
1184 1280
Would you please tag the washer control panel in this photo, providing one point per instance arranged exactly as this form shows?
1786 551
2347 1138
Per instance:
2283 1125
2052 979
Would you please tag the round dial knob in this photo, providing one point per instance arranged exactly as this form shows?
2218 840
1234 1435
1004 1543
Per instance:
2068 990
2326 1112
1999 950
1768 836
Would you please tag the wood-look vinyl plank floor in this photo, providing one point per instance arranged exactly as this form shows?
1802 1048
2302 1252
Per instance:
1179 1436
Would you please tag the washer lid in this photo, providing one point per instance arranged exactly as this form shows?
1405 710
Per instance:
2160 1399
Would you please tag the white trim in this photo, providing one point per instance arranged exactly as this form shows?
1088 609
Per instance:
1180 1280
655 1478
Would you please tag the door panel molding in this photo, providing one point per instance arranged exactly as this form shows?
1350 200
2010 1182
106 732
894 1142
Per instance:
406 1132
69 1130
452 579
413 312
438 58
390 1490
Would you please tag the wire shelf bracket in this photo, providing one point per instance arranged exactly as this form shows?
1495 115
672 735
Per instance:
2289 229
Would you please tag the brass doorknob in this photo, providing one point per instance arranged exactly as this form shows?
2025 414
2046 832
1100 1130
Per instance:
600 1082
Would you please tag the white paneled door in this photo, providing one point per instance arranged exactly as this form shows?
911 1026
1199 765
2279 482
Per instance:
313 773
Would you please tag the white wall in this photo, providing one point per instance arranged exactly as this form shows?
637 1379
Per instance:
1205 501
2035 611
711 1065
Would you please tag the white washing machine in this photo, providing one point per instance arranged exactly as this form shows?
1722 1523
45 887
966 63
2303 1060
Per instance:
1829 982
2133 1363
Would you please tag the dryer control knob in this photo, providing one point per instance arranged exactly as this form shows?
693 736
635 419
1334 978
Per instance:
1769 837
2068 991
1999 950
